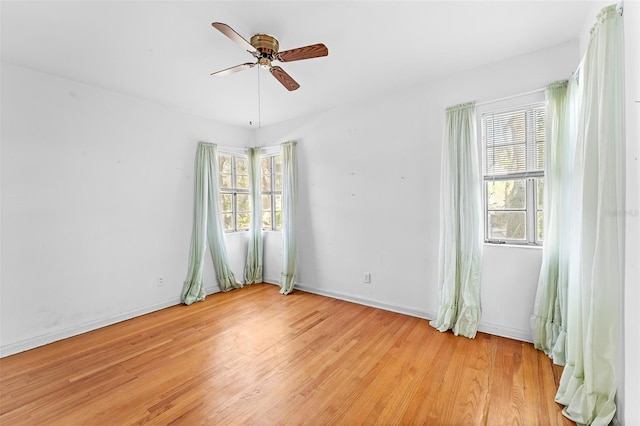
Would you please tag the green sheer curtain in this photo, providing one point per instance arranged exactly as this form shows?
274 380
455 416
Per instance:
253 267
460 255
590 377
549 319
289 217
207 225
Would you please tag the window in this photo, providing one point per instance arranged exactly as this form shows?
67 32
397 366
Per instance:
234 192
271 187
513 161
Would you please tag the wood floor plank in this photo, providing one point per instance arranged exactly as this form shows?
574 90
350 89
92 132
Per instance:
254 356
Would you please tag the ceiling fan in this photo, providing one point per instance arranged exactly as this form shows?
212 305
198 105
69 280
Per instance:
265 49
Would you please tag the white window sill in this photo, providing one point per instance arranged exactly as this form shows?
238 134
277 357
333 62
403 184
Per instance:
520 246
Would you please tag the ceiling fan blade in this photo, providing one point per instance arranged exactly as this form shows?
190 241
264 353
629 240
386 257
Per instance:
285 79
306 52
234 69
229 32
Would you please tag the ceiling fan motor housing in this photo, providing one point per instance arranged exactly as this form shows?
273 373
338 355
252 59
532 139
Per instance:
267 47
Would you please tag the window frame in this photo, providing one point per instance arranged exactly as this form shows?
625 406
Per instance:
531 208
234 191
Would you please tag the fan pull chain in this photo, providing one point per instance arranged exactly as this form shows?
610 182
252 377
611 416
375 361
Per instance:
259 112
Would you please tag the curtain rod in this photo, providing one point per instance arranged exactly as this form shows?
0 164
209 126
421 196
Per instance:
619 9
506 98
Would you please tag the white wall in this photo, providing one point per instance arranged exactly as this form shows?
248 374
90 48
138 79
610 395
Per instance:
97 203
272 256
369 177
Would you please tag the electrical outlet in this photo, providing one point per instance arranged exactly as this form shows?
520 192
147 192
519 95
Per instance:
367 277
160 281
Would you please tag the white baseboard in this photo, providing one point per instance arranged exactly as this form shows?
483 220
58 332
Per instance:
489 328
367 302
44 339
508 332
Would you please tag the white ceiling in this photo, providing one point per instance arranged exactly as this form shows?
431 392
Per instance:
165 50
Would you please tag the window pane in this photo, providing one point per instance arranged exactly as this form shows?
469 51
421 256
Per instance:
243 220
514 143
278 183
507 226
266 203
265 166
242 202
506 194
227 219
540 123
540 226
540 194
508 127
540 155
234 199
277 164
225 181
242 182
226 203
506 159
225 163
278 220
278 201
266 183
266 219
241 166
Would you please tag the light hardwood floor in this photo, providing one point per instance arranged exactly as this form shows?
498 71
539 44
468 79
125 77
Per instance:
254 356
